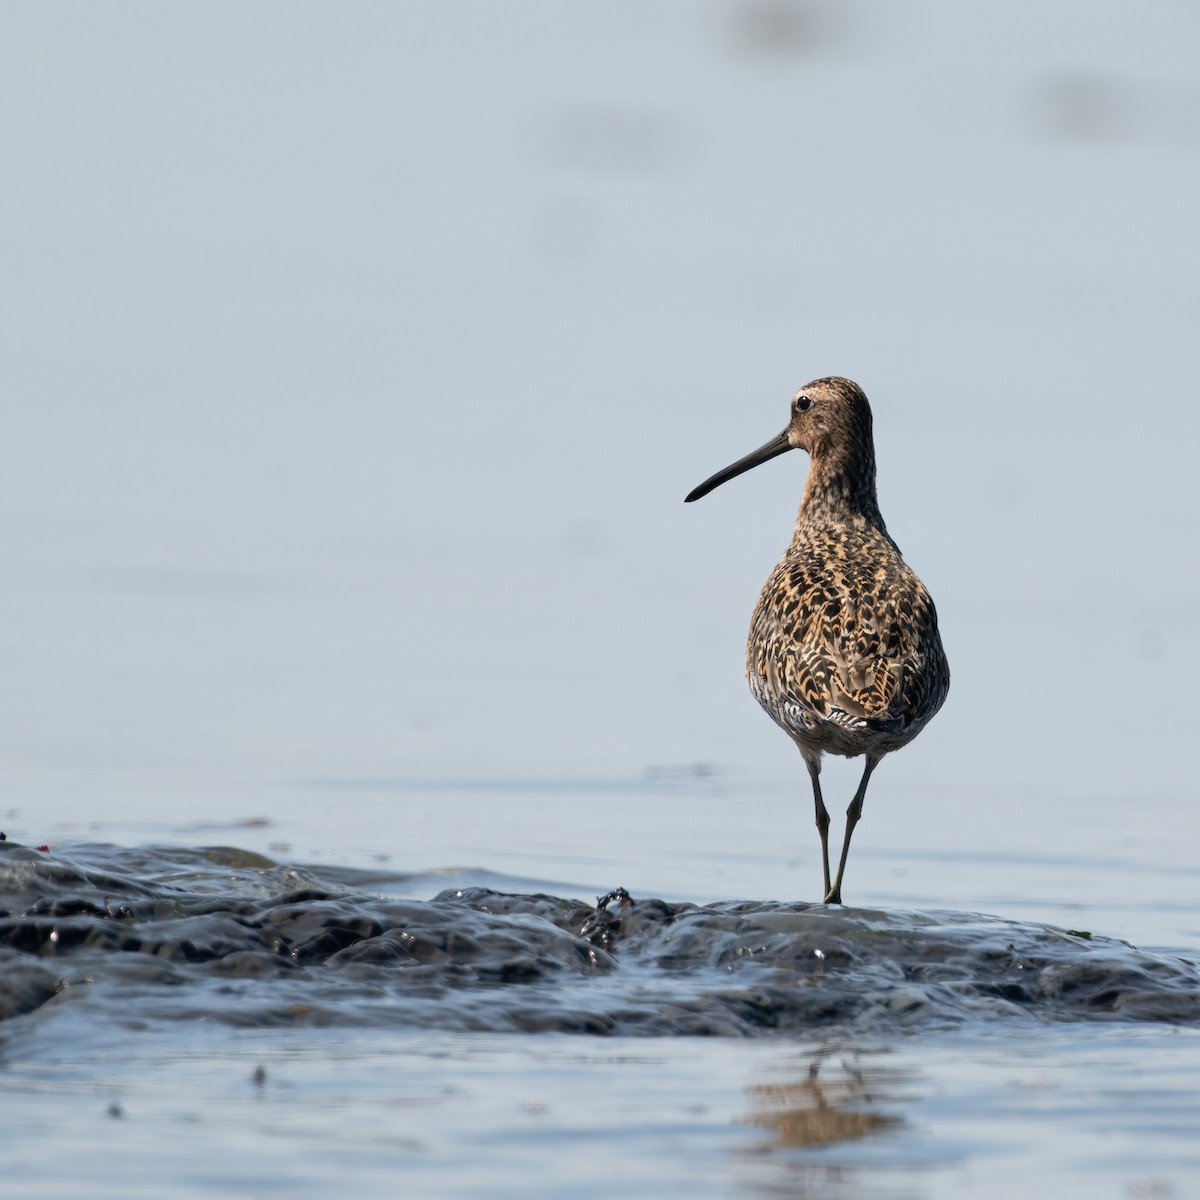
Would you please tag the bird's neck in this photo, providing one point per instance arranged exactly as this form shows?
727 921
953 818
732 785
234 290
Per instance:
840 489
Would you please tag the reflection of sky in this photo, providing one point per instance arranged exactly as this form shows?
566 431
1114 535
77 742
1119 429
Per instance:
356 368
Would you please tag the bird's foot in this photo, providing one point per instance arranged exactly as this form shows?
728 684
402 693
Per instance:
833 896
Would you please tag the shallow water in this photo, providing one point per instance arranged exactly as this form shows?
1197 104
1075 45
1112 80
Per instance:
441 1114
465 1035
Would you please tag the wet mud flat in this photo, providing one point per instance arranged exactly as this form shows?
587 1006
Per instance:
156 934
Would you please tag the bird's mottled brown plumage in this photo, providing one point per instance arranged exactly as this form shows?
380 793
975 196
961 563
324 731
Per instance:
844 652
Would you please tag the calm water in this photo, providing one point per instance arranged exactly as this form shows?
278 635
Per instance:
356 368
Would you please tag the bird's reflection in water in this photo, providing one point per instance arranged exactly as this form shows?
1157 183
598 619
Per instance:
839 1098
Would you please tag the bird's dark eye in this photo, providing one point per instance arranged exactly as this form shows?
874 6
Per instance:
802 403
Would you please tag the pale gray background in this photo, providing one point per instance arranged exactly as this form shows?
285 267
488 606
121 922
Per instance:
357 360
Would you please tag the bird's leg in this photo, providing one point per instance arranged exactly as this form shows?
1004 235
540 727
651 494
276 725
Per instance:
814 770
833 895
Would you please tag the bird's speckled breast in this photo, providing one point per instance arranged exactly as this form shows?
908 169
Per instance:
844 651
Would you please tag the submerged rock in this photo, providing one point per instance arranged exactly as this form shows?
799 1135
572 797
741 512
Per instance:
160 934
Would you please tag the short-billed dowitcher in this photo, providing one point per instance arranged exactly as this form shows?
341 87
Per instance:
844 651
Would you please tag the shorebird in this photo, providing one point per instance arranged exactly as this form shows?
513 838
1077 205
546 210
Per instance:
844 652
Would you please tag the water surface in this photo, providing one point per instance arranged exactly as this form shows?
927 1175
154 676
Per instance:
356 367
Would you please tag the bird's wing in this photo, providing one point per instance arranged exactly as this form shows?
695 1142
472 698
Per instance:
865 653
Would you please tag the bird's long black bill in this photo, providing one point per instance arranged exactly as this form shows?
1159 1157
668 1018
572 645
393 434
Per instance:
773 449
